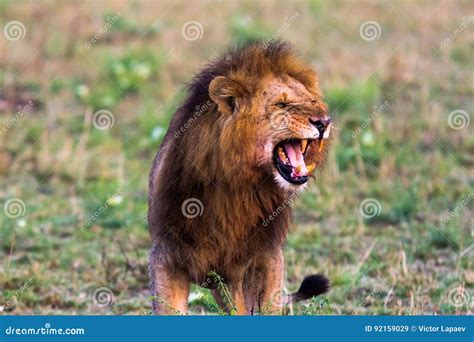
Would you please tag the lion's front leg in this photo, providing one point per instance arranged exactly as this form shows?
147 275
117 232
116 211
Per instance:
264 285
170 288
273 283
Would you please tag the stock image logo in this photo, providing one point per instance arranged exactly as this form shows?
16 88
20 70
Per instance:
192 30
14 208
458 296
279 119
14 30
459 119
192 208
103 297
370 30
103 119
370 208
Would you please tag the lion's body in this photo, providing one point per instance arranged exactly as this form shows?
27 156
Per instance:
227 234
219 161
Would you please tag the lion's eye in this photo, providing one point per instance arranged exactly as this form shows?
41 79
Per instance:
280 104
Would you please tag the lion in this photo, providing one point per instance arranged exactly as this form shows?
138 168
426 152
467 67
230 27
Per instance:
237 152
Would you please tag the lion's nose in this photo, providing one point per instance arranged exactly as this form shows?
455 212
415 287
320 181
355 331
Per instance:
321 124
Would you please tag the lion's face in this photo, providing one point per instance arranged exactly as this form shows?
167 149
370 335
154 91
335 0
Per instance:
288 123
293 128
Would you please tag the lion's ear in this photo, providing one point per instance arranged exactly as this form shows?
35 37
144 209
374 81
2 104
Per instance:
224 92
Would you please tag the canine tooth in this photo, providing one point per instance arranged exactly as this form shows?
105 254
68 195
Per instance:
310 167
298 169
321 144
304 143
282 154
327 132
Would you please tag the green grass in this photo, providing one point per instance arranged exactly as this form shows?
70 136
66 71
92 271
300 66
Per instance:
84 189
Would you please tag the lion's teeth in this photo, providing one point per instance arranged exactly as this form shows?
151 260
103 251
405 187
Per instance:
281 154
321 144
304 143
310 167
327 132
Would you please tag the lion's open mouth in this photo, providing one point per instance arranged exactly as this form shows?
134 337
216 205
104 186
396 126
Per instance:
289 158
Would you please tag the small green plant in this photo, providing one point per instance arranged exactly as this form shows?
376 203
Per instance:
130 71
100 97
317 306
224 292
162 301
125 75
203 298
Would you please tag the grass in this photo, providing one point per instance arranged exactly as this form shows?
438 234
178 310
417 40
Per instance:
82 191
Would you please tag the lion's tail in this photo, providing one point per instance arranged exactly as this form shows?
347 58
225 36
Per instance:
312 286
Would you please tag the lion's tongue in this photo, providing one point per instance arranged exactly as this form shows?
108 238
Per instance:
293 151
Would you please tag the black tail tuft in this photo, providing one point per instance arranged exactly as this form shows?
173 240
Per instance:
312 286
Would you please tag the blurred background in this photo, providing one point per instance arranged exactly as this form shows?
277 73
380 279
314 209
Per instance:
86 93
